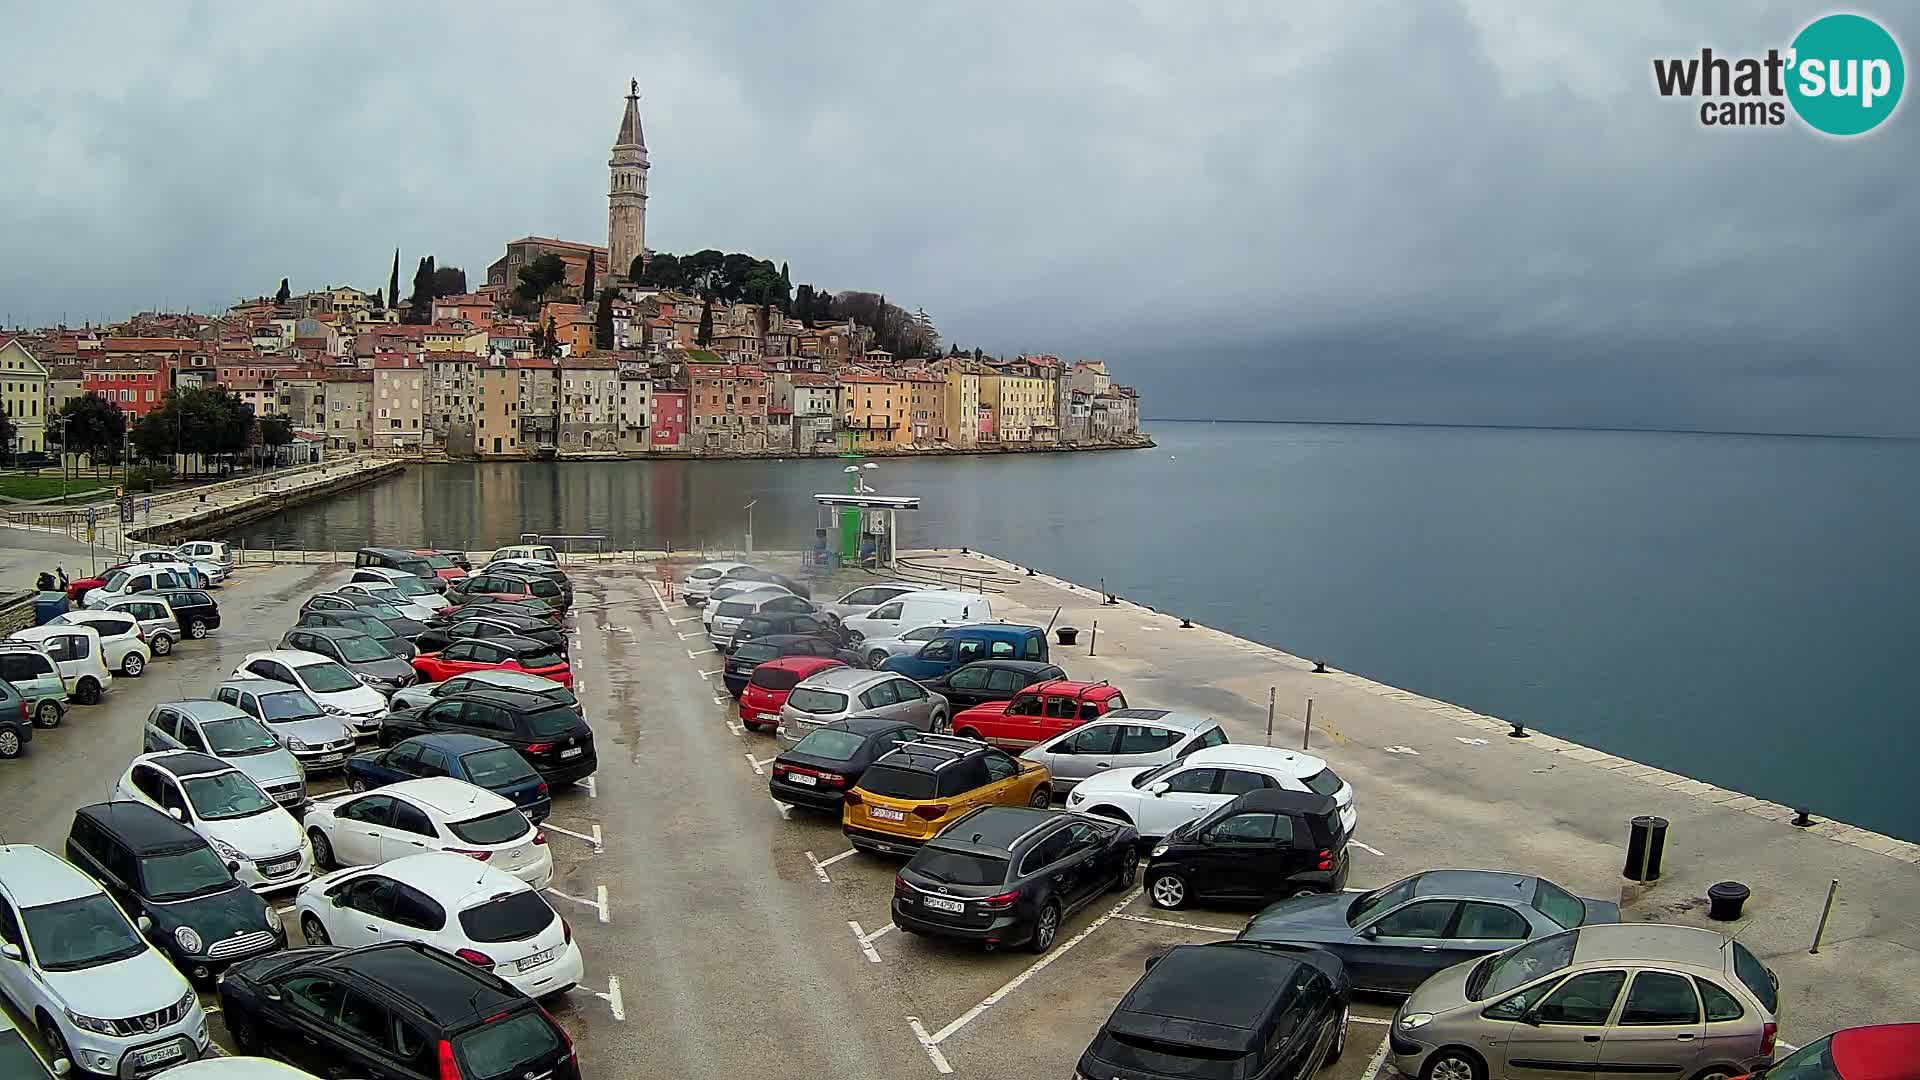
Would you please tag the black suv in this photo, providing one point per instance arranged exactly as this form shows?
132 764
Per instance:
746 657
823 625
154 866
991 680
193 609
1008 875
549 734
1223 1009
399 1010
1262 846
494 626
377 629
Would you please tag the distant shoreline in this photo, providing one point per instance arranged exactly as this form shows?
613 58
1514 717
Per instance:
1144 442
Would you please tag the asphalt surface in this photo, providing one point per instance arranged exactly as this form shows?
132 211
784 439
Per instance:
719 929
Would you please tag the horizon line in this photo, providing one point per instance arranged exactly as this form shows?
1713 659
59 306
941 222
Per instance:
1527 427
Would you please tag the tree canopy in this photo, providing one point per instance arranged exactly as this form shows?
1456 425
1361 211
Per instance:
91 425
194 420
539 276
448 281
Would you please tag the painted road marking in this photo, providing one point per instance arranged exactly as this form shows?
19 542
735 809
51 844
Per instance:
820 868
866 940
765 761
593 789
715 671
786 810
599 905
718 700
677 622
734 726
1176 925
1402 750
695 634
691 655
1366 847
657 598
755 762
612 629
1374 1063
612 998
847 854
1469 742
926 1043
598 846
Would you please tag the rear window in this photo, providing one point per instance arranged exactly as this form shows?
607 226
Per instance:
1754 976
508 1047
897 783
809 699
756 652
439 562
496 767
514 916
494 828
767 678
733 609
538 658
558 720
562 695
828 743
959 868
1324 782
1558 904
543 587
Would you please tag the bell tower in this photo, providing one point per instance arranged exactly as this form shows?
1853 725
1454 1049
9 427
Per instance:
627 190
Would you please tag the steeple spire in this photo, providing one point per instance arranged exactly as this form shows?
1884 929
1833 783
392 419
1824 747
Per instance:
630 133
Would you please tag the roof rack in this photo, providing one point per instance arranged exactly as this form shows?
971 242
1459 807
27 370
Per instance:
949 742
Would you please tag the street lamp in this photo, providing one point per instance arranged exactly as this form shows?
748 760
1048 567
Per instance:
749 509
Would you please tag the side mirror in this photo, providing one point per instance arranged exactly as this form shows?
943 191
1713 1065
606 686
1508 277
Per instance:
1370 933
176 814
1531 1018
1159 789
271 993
145 924
1206 838
11 951
233 867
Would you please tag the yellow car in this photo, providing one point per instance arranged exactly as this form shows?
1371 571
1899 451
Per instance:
906 798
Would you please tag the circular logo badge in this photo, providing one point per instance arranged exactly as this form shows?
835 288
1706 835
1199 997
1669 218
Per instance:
1847 74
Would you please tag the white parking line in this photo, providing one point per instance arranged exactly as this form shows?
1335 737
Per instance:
765 761
843 855
691 655
926 1043
755 762
866 940
612 998
1374 1063
598 845
657 598
715 671
695 634
1176 925
786 810
593 789
677 622
599 905
734 726
819 870
1366 847
718 700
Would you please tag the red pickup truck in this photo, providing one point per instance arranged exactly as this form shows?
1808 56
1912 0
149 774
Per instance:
1038 713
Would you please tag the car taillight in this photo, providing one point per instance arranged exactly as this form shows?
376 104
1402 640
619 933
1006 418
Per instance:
780 770
543 790
539 837
539 747
483 856
1326 859
477 959
851 798
566 930
449 1068
1000 903
901 889
930 811
833 779
1768 1031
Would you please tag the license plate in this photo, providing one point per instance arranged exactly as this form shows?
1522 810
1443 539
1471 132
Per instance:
288 796
769 716
573 752
885 814
803 779
941 903
160 1053
285 866
534 961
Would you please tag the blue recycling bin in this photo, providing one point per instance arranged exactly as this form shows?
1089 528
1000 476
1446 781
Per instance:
48 605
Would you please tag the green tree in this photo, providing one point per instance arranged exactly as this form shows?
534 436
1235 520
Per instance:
553 338
822 307
539 276
284 293
662 269
803 305
420 301
449 281
275 432
786 291
603 322
7 431
393 280
586 283
92 425
705 334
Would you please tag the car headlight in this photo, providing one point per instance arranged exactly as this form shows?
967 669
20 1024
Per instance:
187 939
228 851
298 744
90 1023
273 914
334 710
1158 850
1415 1020
367 680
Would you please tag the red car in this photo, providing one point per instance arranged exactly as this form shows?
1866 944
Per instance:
1038 713
1884 1052
443 565
768 686
503 653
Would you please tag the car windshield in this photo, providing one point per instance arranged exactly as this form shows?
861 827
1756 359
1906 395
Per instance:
514 916
237 736
377 609
897 783
439 562
1515 968
925 633
225 795
547 723
509 1047
495 828
84 932
289 705
179 874
117 582
704 573
417 567
362 649
495 768
1813 1061
1381 900
958 868
1559 905
371 627
828 743
326 677
808 699
409 586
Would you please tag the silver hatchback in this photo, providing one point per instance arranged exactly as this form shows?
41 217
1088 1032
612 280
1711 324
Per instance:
1611 999
841 692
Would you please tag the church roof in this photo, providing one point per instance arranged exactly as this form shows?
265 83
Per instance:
630 133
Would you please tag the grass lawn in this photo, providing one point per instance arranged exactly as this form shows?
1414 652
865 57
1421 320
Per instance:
48 486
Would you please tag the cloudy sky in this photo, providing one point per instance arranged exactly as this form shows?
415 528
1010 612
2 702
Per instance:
1470 212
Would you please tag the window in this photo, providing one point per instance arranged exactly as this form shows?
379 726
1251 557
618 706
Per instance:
907 690
1659 997
937 650
1246 828
1000 766
1516 1006
315 995
1755 977
405 758
410 818
974 678
372 810
411 907
1586 999
1059 708
1720 1004
1051 850
1143 739
1194 781
1426 919
1556 903
880 696
1492 921
1240 781
366 1021
1089 740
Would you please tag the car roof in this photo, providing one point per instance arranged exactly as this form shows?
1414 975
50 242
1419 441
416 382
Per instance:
36 876
931 753
41 633
1089 690
802 665
504 679
1030 667
1651 941
289 657
1272 758
987 629
447 991
509 618
516 643
1283 801
185 762
782 639
1879 1052
846 678
867 725
1484 884
454 742
389 551
449 797
507 697
202 709
723 567
254 684
997 826
141 827
447 876
1223 983
333 633
1167 718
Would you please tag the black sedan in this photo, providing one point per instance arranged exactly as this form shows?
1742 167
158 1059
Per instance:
742 661
821 768
1010 875
489 625
1393 938
1226 1009
991 680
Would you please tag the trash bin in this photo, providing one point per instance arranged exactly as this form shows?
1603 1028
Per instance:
47 606
1067 635
1646 843
1724 900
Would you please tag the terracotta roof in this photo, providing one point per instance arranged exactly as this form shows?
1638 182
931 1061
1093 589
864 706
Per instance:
589 363
726 371
547 241
149 344
395 363
531 363
809 378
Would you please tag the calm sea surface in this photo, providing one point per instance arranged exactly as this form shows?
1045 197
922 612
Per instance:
1730 607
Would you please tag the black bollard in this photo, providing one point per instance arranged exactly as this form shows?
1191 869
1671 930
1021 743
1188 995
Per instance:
1802 819
1646 844
1519 731
1724 900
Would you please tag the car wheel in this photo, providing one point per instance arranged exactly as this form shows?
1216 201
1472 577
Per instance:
88 692
162 644
1339 1039
9 743
322 850
942 724
48 714
132 666
1129 866
313 931
240 1027
1042 797
1046 927
967 733
55 1042
356 785
876 658
1453 1063
197 629
1167 891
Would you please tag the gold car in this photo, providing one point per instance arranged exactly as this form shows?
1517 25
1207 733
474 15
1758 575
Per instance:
906 798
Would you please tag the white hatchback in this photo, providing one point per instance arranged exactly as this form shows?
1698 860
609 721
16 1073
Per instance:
484 916
698 585
260 841
422 606
122 641
436 813
1160 800
334 688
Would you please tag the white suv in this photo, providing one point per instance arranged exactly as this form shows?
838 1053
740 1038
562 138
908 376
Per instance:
260 841
1160 800
80 971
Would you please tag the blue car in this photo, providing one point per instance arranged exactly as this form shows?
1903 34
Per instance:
478 760
962 645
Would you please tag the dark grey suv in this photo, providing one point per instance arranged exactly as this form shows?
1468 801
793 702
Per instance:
367 658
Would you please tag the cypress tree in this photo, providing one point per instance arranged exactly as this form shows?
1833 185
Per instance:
430 283
281 296
706 323
586 287
393 281
603 322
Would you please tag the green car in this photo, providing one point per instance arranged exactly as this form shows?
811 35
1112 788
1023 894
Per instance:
34 675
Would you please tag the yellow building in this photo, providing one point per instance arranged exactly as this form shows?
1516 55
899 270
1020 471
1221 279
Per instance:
455 339
963 405
877 412
926 408
1019 404
497 430
23 395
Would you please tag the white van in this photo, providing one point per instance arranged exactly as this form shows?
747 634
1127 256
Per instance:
904 613
76 652
540 552
207 551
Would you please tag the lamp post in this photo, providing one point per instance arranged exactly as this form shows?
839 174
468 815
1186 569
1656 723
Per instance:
750 505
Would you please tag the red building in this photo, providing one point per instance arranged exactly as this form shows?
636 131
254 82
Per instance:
668 430
137 386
